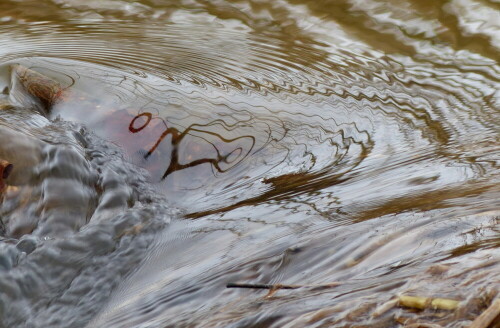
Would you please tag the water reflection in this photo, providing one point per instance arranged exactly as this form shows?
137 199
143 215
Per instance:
223 153
243 140
307 141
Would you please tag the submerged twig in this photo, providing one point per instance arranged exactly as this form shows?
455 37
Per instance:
382 309
279 286
488 316
416 302
422 303
262 286
273 288
423 325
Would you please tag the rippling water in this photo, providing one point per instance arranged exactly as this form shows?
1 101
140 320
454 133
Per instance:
163 149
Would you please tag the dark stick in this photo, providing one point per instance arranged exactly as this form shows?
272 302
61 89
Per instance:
262 286
279 286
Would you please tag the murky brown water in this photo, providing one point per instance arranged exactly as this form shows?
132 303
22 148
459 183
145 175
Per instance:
191 144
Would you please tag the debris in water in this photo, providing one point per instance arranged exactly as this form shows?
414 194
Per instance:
384 308
488 316
262 286
273 288
423 325
422 303
280 286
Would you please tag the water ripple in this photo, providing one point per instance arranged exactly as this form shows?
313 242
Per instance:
305 141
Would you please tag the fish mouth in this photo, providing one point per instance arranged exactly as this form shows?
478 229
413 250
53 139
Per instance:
32 89
5 168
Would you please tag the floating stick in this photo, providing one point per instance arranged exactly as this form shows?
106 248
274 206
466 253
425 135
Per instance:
273 288
262 286
279 286
422 303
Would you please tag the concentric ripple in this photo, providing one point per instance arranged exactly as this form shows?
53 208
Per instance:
302 142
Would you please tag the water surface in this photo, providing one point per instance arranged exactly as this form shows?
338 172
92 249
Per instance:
198 143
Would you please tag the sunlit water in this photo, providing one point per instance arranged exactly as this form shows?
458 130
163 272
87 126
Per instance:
199 143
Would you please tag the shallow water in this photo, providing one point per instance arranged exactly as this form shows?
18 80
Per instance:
200 143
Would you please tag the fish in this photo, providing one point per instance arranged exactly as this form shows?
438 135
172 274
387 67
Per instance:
30 89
